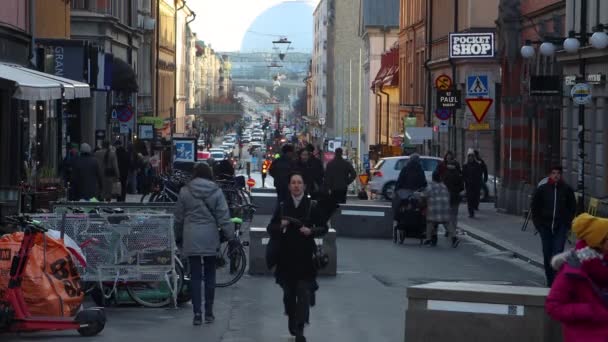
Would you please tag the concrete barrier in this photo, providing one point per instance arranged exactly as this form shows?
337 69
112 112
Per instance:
266 202
459 312
364 221
258 239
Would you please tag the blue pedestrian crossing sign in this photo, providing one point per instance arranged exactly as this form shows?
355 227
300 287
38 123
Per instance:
477 85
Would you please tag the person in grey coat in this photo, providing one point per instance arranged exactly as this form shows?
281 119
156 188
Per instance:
200 212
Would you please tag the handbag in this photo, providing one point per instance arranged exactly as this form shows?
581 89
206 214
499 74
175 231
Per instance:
116 189
320 259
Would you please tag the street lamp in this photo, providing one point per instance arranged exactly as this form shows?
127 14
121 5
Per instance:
598 40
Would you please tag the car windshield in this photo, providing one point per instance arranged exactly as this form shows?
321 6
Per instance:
379 164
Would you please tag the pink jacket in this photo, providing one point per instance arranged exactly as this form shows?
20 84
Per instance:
573 302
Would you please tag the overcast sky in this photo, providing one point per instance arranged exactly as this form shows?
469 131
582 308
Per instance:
223 23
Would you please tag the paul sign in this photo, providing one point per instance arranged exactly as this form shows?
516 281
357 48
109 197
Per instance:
472 45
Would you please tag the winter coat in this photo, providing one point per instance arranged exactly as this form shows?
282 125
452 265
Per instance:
411 177
438 202
318 171
86 177
201 210
339 174
294 259
308 174
279 171
472 173
109 169
553 203
454 181
575 303
124 162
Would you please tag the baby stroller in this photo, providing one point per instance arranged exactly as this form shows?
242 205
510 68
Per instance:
409 212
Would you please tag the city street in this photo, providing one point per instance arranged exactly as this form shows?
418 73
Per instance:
365 302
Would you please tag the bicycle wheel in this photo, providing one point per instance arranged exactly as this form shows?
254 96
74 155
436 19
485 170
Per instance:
155 294
230 265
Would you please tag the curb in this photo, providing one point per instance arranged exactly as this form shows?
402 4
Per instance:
502 245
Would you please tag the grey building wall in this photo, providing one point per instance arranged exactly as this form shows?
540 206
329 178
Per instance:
346 46
596 113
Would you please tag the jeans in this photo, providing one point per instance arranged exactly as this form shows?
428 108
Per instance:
196 267
296 298
553 243
453 223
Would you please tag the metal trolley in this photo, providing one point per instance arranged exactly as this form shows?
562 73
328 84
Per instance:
132 250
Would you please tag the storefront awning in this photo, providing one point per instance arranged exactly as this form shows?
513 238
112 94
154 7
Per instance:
32 85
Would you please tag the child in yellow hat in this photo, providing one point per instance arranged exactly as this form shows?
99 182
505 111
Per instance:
579 296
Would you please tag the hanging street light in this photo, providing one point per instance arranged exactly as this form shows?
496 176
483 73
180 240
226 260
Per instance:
282 46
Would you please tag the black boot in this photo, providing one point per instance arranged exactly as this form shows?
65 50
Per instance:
291 322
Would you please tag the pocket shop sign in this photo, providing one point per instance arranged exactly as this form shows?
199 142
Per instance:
472 45
448 99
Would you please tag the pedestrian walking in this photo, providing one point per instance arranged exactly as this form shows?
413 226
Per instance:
265 167
339 174
86 175
294 226
201 212
106 157
280 170
484 174
472 173
578 298
454 181
438 211
553 208
124 167
317 166
443 166
411 177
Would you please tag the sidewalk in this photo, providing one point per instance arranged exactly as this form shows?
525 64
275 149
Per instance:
503 232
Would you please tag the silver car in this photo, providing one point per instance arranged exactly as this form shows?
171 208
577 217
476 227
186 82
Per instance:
386 171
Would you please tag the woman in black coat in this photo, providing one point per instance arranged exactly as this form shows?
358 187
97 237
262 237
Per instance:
294 225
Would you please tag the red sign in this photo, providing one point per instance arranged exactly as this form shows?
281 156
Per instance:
251 182
125 114
443 82
479 107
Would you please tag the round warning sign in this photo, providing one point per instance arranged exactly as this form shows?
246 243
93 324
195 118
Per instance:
581 93
443 82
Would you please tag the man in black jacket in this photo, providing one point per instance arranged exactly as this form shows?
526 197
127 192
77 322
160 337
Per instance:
86 175
553 209
280 170
318 172
338 176
473 174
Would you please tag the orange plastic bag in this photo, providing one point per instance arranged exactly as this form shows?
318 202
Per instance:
51 283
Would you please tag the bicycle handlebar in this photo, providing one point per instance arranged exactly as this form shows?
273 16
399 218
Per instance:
26 221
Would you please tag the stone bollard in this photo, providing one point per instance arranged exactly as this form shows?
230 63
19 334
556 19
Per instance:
364 221
464 312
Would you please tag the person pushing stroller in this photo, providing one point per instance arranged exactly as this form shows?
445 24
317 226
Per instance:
438 211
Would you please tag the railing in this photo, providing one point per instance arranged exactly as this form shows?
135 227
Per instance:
219 108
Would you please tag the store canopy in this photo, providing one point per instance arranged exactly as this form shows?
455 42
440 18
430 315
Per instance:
32 85
123 76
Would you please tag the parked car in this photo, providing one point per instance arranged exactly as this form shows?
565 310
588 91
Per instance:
386 171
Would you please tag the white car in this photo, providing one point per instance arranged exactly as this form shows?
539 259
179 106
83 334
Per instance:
386 171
